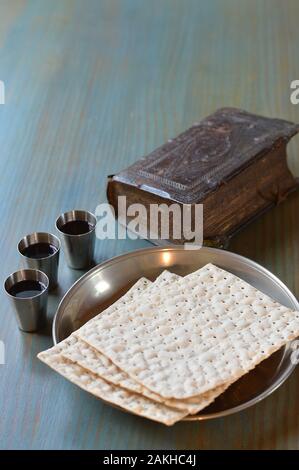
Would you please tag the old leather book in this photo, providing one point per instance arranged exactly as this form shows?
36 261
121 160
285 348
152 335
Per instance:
233 162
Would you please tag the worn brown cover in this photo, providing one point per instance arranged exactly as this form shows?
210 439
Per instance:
210 154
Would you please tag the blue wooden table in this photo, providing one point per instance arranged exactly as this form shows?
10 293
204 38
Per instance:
90 86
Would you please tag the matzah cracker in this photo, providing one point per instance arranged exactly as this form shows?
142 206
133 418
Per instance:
164 279
118 396
194 334
90 359
101 365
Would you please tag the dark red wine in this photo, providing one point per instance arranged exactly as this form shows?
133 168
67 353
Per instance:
76 227
39 250
27 288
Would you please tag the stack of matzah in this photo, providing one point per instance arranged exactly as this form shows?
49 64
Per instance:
167 349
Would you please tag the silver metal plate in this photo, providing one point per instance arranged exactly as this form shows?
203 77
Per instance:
105 283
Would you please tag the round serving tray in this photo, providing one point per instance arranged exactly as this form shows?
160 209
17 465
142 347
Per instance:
105 283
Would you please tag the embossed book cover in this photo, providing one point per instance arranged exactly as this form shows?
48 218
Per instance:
233 162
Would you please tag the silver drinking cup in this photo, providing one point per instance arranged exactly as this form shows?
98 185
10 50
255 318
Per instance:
40 250
77 232
27 290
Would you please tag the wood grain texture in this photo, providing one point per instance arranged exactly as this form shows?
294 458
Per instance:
90 87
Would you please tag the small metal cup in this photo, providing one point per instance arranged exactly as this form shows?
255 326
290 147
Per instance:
48 264
30 312
78 248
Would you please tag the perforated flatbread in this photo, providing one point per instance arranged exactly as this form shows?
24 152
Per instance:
134 294
90 359
61 356
118 396
193 335
94 361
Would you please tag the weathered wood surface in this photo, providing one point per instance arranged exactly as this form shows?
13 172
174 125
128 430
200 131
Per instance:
91 86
